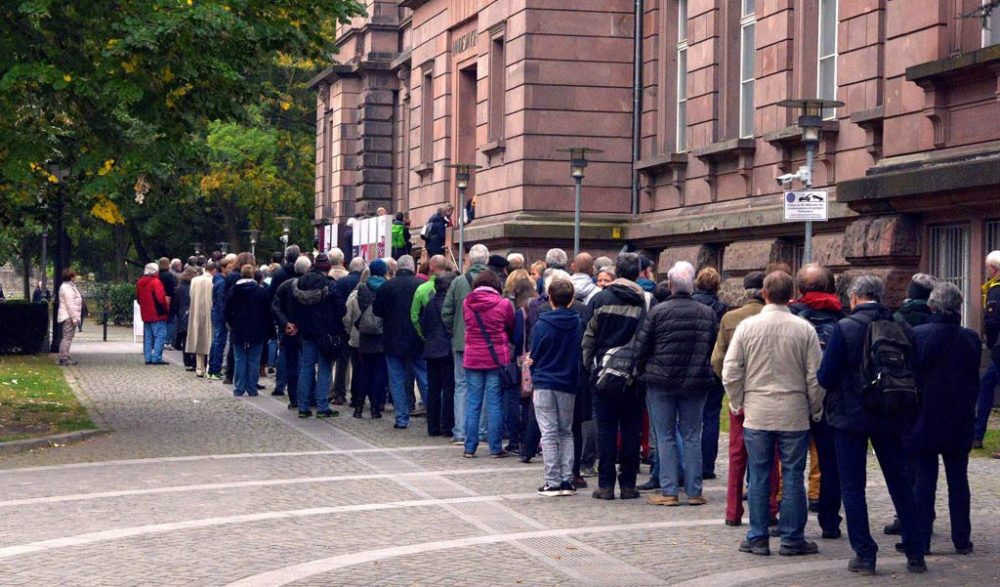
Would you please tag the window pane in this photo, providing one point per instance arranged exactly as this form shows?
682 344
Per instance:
746 109
993 35
827 82
748 52
681 126
828 27
682 20
748 7
682 74
949 258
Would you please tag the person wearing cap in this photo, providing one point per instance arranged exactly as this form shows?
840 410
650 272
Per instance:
499 265
752 283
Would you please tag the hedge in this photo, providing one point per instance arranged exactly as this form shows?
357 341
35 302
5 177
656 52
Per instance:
23 328
118 298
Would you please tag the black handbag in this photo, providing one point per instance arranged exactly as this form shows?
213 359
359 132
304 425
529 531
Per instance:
329 346
510 374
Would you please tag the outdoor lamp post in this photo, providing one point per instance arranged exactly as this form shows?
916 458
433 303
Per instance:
254 233
223 246
197 249
463 172
59 173
285 228
811 123
577 165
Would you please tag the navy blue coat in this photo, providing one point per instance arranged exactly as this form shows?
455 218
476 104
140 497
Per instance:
248 313
348 283
555 350
434 241
392 304
948 373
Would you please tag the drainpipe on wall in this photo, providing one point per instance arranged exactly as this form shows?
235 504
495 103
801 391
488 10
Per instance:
636 103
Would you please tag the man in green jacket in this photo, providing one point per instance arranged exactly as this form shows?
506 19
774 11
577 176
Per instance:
454 321
425 292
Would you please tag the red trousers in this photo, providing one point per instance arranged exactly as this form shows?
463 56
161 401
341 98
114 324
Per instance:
738 472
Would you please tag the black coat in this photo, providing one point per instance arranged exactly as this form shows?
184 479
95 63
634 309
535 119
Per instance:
317 309
712 301
840 374
248 313
283 274
169 283
437 341
392 304
948 373
614 318
675 345
347 284
434 241
181 305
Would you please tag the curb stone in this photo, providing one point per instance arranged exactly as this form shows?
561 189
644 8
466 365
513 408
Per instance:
19 446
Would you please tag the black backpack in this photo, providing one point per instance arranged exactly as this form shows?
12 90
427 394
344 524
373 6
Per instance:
887 368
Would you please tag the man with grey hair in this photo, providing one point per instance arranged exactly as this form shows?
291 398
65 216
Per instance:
769 372
454 320
855 425
154 307
336 256
556 259
403 346
602 263
515 261
673 352
991 334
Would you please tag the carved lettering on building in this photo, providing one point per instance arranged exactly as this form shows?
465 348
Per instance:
464 43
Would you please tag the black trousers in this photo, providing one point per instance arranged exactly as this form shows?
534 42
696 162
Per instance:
956 470
581 413
440 396
829 479
531 435
618 414
339 391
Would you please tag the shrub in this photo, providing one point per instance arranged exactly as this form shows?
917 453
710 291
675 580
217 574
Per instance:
117 298
23 328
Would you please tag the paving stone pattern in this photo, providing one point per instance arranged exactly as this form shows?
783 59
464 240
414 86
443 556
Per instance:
196 487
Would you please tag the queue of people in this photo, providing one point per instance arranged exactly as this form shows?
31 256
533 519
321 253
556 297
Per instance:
582 360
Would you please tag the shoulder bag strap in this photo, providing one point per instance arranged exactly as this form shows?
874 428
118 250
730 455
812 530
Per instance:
486 335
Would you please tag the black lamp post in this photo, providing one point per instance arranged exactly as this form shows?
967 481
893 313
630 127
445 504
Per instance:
577 165
463 171
811 123
59 173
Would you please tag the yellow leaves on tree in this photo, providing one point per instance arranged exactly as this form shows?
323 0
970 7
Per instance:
106 168
131 65
106 210
177 93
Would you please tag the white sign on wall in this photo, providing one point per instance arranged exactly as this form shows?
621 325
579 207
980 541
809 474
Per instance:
806 205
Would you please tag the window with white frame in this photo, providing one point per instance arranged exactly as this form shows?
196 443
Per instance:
682 47
949 258
991 26
827 54
747 54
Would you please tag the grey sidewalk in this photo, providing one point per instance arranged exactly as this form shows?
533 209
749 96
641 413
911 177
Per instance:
196 487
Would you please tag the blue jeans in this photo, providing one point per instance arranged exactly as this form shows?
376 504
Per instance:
154 334
710 430
483 385
792 449
852 458
220 332
312 361
987 388
458 432
396 365
247 371
171 329
669 414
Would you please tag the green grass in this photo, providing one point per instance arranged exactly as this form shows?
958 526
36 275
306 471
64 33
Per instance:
35 400
991 442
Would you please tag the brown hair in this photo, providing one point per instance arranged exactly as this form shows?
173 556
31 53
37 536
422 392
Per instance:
708 279
779 287
512 279
561 293
245 258
68 274
247 271
488 278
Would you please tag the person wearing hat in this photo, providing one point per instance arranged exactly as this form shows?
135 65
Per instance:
499 265
154 309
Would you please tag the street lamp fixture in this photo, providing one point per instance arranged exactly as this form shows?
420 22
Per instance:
811 123
285 228
463 172
254 234
223 246
197 249
577 167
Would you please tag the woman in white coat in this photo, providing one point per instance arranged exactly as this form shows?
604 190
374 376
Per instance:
70 314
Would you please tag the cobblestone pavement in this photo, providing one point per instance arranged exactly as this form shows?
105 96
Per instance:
196 487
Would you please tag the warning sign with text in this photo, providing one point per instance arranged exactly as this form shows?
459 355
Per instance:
802 206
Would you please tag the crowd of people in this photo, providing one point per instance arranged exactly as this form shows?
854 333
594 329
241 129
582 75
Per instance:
595 366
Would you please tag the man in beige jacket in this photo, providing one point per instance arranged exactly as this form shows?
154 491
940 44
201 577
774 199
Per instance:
770 373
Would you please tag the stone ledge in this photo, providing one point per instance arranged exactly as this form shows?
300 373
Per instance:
18 446
959 66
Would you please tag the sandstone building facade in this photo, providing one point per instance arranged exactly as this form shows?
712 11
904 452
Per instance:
912 160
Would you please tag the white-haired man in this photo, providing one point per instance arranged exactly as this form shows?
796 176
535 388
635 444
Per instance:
454 320
154 308
337 269
515 261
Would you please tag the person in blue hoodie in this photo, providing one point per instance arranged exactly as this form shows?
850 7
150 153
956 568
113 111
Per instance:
555 357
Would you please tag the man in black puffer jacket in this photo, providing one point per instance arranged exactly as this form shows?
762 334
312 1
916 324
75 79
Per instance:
318 312
674 348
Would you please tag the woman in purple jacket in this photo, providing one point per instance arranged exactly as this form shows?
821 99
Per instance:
489 323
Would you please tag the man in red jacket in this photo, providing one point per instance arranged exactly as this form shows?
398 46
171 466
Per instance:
154 309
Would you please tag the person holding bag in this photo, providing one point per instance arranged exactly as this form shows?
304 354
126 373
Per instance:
489 323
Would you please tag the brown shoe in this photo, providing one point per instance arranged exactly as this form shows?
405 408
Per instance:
697 500
660 499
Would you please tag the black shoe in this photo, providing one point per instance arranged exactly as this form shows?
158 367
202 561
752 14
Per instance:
399 427
773 532
861 566
500 455
649 485
359 412
305 414
272 370
831 534
757 546
277 393
814 505
549 491
708 476
327 414
227 381
579 483
628 493
801 548
376 415
567 488
916 565
964 550
526 459
894 529
293 406
607 493
159 363
734 522
977 444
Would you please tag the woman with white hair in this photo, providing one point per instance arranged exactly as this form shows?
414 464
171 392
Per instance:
947 369
154 308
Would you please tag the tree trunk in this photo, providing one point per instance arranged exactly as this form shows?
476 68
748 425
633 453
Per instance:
140 248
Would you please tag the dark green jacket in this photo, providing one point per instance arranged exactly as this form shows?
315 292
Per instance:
452 313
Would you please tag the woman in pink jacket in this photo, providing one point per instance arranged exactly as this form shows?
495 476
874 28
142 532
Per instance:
489 322
70 314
